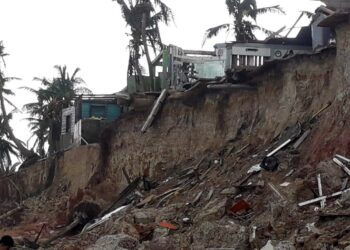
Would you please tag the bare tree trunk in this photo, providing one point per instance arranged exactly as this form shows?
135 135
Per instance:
23 150
144 41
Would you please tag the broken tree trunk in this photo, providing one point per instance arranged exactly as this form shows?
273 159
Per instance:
157 105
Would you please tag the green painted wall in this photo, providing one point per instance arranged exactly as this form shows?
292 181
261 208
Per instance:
109 112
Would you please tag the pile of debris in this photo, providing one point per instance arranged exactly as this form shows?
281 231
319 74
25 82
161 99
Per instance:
244 196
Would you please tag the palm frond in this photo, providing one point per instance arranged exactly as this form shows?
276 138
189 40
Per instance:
272 9
215 31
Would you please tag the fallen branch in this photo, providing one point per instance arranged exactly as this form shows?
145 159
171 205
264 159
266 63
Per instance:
11 212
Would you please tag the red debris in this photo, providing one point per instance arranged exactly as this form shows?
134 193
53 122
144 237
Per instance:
241 205
168 225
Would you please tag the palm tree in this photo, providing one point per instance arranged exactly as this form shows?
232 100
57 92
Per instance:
245 13
143 18
7 148
52 98
24 152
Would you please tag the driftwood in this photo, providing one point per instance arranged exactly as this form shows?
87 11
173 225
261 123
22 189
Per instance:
11 212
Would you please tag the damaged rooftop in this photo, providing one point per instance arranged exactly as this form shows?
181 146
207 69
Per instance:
246 146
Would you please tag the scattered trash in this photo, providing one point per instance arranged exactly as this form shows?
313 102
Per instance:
168 225
187 221
270 163
252 236
285 184
255 168
312 228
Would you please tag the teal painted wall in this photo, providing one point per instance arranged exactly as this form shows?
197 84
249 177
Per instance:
111 111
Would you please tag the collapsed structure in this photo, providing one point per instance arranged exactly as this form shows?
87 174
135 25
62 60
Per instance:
262 169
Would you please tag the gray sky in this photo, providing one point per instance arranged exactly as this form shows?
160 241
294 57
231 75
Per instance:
90 34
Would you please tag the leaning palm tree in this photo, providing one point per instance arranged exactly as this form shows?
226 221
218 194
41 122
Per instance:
244 13
143 18
4 92
52 98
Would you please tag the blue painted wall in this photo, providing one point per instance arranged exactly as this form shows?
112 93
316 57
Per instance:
111 111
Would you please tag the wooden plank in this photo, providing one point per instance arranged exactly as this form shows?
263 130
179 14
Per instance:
279 148
340 157
301 139
309 202
320 192
157 105
340 164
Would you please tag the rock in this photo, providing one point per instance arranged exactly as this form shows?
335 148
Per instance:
230 191
268 246
115 242
162 243
160 232
276 210
282 245
214 210
143 218
347 248
221 235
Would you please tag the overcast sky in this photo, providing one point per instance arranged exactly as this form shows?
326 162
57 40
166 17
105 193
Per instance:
90 34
